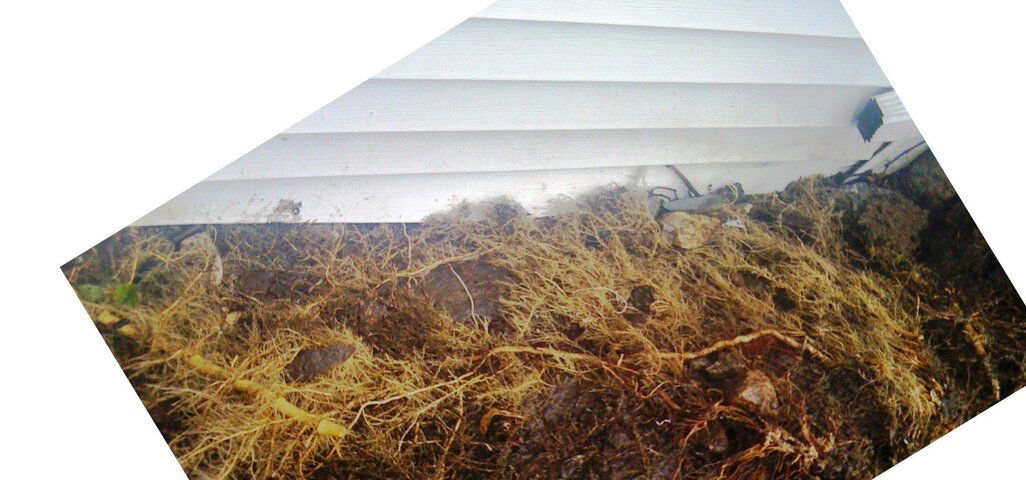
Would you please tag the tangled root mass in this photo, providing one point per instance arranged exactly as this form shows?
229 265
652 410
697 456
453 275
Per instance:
821 335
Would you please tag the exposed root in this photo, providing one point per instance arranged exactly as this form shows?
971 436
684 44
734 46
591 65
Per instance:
551 352
742 339
279 404
601 349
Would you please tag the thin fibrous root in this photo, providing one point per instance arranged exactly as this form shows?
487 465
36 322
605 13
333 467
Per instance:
682 357
551 352
742 339
359 413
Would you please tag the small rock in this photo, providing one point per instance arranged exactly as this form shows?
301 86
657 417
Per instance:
654 206
742 208
312 362
713 437
642 297
620 440
687 230
262 282
562 400
373 310
758 391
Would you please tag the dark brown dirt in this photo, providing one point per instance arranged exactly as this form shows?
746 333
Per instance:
397 322
640 302
468 291
886 226
989 346
269 284
925 183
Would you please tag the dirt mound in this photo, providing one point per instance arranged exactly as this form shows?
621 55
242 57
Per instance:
808 339
886 226
925 183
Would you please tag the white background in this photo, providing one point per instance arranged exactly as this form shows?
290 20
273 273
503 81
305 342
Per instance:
110 108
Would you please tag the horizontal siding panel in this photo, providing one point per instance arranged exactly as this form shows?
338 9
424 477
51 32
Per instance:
797 17
409 198
487 49
334 154
544 99
433 105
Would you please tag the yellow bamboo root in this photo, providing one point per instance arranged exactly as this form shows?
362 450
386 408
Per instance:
327 427
248 386
107 318
207 367
581 273
130 331
278 403
289 409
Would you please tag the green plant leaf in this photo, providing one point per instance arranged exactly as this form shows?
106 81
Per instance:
90 292
126 294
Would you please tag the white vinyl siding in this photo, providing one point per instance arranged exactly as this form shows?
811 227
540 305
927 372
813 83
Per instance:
405 198
458 105
795 17
485 49
541 99
384 153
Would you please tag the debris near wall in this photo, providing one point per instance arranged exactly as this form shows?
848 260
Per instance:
812 334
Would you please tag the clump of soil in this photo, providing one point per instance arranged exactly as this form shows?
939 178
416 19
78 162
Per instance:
925 183
880 224
819 336
886 226
310 363
482 284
